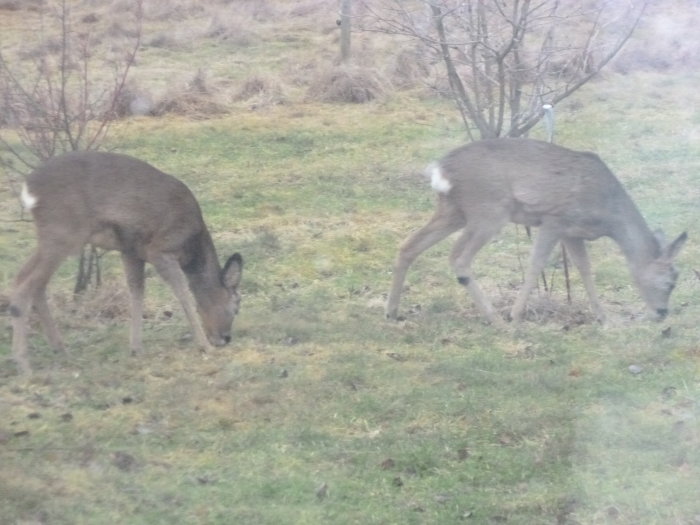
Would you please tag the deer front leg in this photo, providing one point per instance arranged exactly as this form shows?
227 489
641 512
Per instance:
576 248
545 241
135 277
444 222
169 269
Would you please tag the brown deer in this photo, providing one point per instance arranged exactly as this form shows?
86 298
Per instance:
120 203
571 196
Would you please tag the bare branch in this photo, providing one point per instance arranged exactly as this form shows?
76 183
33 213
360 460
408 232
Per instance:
503 60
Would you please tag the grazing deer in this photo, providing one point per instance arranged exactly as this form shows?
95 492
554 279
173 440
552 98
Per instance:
120 203
571 196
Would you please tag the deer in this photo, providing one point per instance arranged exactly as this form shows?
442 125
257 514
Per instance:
118 202
570 196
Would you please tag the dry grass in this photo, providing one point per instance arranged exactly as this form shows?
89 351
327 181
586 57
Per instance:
347 84
409 69
259 92
197 97
17 5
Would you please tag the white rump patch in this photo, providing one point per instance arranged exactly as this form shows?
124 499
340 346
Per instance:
438 181
28 200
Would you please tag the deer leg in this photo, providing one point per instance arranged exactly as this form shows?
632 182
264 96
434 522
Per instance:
135 278
444 222
465 249
576 248
545 242
30 287
169 269
48 325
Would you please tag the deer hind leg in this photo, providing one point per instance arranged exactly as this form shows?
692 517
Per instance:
169 269
445 221
48 325
472 239
545 242
30 290
576 248
134 268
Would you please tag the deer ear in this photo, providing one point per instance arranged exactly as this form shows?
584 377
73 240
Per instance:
660 237
672 249
232 271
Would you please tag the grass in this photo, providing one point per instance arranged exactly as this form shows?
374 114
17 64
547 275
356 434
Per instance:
323 412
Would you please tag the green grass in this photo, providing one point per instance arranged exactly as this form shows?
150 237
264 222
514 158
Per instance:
433 419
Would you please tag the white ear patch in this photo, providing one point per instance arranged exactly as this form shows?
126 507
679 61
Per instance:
28 200
438 181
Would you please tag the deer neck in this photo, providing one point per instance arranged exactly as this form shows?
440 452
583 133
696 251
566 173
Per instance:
635 238
204 271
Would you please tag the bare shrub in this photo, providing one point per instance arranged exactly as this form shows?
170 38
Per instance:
197 97
50 92
347 84
503 63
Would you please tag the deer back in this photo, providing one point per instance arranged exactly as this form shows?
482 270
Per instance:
114 201
532 180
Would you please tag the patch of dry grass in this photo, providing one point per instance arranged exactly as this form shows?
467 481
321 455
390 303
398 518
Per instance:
197 97
347 84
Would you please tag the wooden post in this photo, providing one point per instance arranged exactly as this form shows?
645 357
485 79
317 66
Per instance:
345 28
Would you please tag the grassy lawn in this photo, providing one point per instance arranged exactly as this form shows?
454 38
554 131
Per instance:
321 411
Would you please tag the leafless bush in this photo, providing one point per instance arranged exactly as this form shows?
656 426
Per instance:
347 84
504 60
51 98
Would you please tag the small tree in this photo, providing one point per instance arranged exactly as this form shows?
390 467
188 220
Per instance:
504 59
64 102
